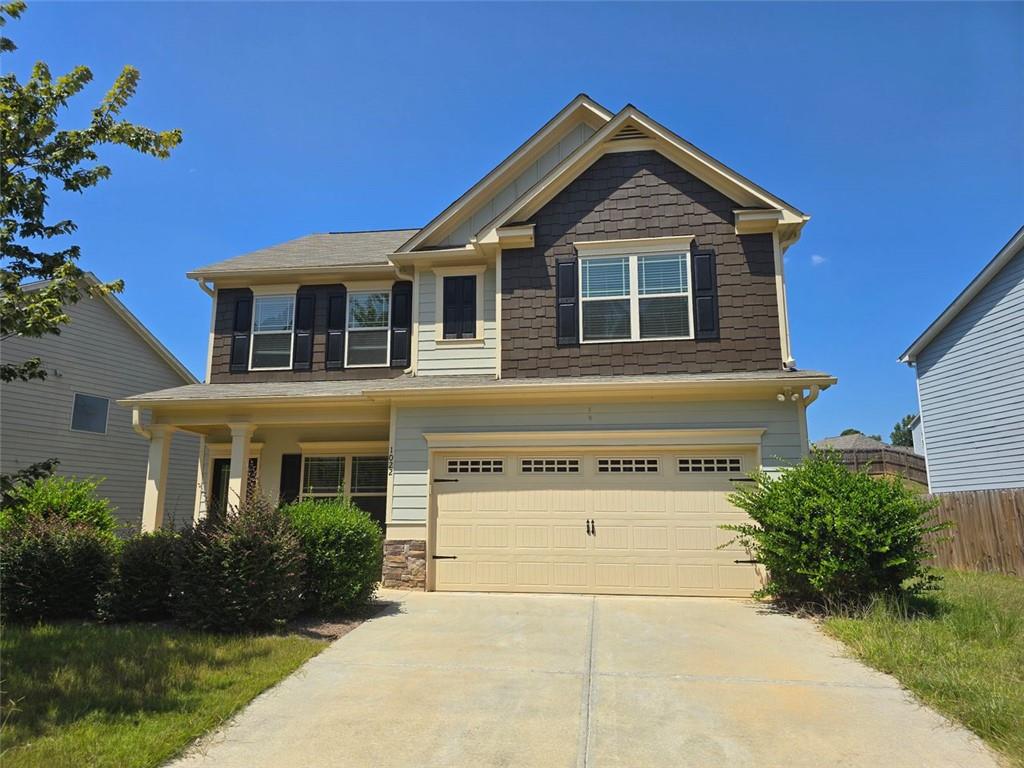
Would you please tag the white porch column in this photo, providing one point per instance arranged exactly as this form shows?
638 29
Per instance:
156 477
238 473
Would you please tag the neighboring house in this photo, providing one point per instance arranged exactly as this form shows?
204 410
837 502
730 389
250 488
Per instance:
861 452
550 387
102 355
970 380
917 435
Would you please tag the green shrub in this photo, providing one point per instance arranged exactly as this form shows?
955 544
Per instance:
65 498
344 553
52 568
242 571
827 535
147 569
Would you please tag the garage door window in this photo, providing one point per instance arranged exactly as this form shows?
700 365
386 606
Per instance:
627 464
550 466
709 464
475 466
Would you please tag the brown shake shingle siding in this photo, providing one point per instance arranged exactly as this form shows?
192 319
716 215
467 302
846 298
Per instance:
633 195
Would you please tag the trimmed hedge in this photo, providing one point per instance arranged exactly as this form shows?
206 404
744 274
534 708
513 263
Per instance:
244 571
65 498
344 553
52 568
148 567
830 536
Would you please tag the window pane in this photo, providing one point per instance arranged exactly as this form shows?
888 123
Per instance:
605 277
368 310
374 506
368 348
323 474
606 320
661 274
370 474
273 313
272 350
664 317
89 414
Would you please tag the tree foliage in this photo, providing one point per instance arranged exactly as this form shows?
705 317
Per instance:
901 433
39 157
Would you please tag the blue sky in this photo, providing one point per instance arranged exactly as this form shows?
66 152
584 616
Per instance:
899 128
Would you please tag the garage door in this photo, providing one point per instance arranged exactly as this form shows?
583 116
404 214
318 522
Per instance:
594 522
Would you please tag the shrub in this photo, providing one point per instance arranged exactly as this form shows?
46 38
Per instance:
831 536
147 569
344 553
52 568
65 498
242 571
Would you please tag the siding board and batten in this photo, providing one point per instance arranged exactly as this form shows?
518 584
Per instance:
97 353
971 387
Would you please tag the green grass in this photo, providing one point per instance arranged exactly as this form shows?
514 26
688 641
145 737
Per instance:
126 696
961 652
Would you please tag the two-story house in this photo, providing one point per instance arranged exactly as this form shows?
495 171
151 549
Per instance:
550 387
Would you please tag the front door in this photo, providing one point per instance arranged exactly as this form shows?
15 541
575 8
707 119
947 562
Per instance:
217 502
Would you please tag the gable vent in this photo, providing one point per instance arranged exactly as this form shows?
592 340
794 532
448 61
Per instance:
629 132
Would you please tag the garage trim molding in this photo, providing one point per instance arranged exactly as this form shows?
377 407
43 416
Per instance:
668 438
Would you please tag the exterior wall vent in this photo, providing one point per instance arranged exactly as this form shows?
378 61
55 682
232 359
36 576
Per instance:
629 132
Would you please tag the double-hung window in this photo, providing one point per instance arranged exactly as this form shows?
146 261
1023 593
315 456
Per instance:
273 320
369 323
635 297
362 479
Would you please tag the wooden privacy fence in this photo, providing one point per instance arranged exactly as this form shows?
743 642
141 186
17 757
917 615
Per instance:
988 532
885 461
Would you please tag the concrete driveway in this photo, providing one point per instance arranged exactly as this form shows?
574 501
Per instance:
449 680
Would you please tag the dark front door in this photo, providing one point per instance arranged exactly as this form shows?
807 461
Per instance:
218 501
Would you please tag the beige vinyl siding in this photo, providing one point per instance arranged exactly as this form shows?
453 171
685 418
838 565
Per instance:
96 354
505 196
781 445
434 358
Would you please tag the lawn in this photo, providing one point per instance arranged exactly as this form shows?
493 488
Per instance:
961 652
133 695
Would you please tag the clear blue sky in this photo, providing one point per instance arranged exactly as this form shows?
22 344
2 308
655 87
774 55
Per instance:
899 128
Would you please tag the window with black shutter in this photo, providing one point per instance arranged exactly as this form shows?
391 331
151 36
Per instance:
302 356
705 295
240 327
335 357
460 307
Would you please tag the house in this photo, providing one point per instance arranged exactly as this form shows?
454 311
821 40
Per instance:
102 355
550 387
917 435
862 452
969 365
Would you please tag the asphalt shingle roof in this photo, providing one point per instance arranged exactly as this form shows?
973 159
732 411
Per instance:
857 443
333 249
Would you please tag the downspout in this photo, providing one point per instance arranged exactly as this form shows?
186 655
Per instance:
414 310
812 395
201 282
140 430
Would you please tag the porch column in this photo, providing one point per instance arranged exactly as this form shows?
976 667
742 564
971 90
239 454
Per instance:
156 477
238 472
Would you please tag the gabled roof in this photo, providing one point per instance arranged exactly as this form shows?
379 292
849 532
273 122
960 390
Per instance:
134 323
580 108
859 443
630 129
332 249
973 288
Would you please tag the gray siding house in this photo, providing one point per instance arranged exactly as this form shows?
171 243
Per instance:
102 355
970 380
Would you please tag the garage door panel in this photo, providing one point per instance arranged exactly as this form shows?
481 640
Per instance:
655 532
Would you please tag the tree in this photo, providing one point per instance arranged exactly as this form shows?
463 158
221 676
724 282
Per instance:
901 433
37 156
852 431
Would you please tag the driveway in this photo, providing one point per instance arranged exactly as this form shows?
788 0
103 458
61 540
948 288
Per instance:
450 680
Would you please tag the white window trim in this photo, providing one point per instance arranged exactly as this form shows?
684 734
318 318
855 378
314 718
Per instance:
346 482
265 292
349 329
71 416
634 298
440 273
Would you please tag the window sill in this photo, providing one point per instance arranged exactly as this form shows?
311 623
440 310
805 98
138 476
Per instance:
637 341
460 342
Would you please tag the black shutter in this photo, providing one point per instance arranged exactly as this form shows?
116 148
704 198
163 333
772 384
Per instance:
450 307
705 295
240 335
302 357
567 302
401 323
459 310
335 358
291 471
468 307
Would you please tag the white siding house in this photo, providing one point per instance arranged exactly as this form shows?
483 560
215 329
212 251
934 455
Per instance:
102 355
970 380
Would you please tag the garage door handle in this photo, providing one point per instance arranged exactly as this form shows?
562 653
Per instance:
590 531
752 562
445 557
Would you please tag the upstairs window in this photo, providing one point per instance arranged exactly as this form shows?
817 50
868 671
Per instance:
273 320
89 414
635 297
369 322
460 307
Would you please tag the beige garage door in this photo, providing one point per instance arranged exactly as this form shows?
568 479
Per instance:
624 522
